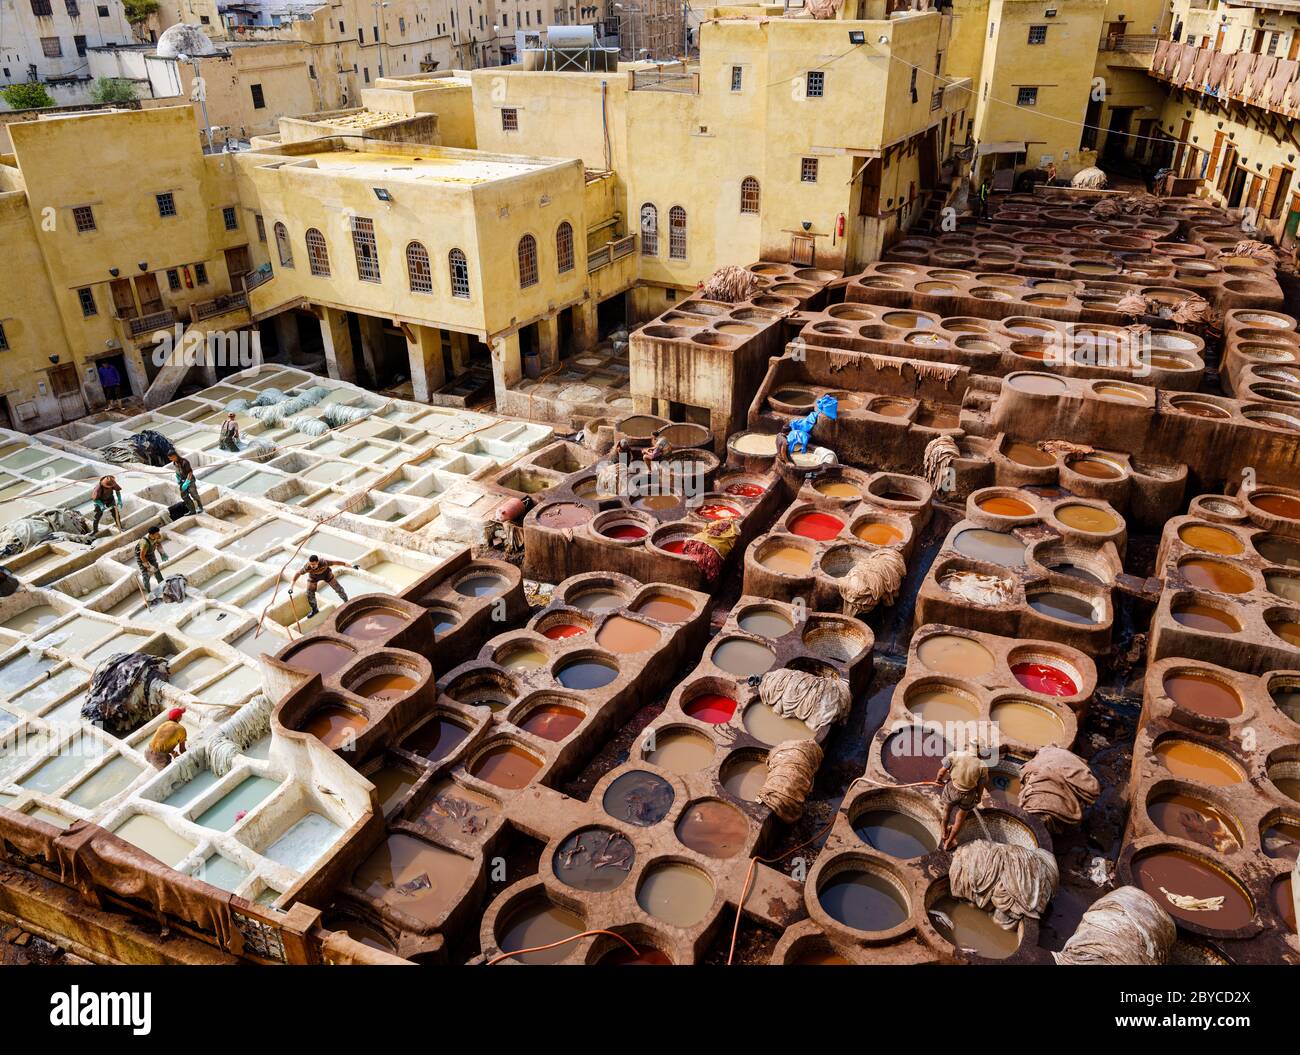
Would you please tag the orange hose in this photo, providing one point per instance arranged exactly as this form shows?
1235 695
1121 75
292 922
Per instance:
562 941
753 861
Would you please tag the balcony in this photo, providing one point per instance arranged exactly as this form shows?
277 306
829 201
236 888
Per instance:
142 326
667 77
226 304
609 252
613 267
1263 81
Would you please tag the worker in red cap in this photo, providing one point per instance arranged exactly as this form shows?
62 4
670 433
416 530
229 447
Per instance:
169 740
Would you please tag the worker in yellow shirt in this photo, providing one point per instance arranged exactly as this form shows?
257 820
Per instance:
169 740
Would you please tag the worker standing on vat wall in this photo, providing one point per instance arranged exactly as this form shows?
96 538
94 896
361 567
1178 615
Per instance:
169 740
147 552
319 571
107 497
186 481
963 777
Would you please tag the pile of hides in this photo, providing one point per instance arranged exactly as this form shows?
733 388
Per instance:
59 525
823 9
124 691
940 453
979 588
1124 928
1133 303
729 284
1194 311
612 477
1091 178
246 726
1017 881
801 428
874 579
308 425
814 700
147 447
268 397
711 547
1063 447
1139 203
337 414
1056 786
171 591
1258 250
791 767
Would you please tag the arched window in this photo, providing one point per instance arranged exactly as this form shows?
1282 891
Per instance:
282 244
318 255
564 247
676 233
417 268
527 261
649 230
749 195
459 268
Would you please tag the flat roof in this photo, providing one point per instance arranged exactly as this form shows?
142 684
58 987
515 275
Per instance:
397 167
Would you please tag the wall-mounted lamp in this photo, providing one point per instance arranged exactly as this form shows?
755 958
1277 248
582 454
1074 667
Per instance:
382 193
806 224
114 272
143 265
54 359
882 39
857 36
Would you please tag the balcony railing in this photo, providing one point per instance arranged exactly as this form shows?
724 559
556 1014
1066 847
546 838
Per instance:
674 78
253 279
210 309
1266 81
611 251
1133 43
146 324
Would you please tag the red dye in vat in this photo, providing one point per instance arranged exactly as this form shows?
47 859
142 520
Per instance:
676 545
1039 677
718 511
819 526
624 532
745 490
711 707
561 630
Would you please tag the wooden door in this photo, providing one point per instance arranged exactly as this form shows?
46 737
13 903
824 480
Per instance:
1215 151
123 299
238 264
146 288
64 383
1218 39
803 250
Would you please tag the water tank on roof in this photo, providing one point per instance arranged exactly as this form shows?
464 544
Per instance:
184 39
571 38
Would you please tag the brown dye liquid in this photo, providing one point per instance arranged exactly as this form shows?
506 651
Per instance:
973 929
334 725
374 625
413 877
995 547
595 859
788 560
1088 518
598 600
1006 506
765 622
1282 840
1192 761
626 636
1287 698
1279 505
837 489
392 784
951 654
820 959
1278 550
1287 631
369 936
1188 817
745 778
914 755
1285 586
1028 723
506 766
1120 392
538 924
1028 455
452 810
742 657
1204 617
321 657
436 739
639 798
1215 575
525 657
1284 902
863 901
1096 469
1211 539
645 956
1289 786
564 515
1203 694
763 723
713 828
1181 873
385 687
666 609
896 834
552 721
942 705
1064 606
682 752
878 533
676 893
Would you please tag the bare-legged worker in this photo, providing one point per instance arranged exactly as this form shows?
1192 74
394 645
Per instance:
319 572
963 777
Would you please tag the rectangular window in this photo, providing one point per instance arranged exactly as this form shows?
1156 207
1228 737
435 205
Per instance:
1027 97
73 10
103 11
361 35
4 339
166 204
374 32
87 298
41 8
261 226
84 217
201 274
52 46
366 72
173 279
259 99
808 170
80 42
230 218
509 120
363 245
816 83
1038 34
737 78
1273 41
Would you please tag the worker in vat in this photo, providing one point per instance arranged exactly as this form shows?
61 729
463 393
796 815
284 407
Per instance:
962 777
187 482
229 440
168 741
107 497
319 572
147 553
